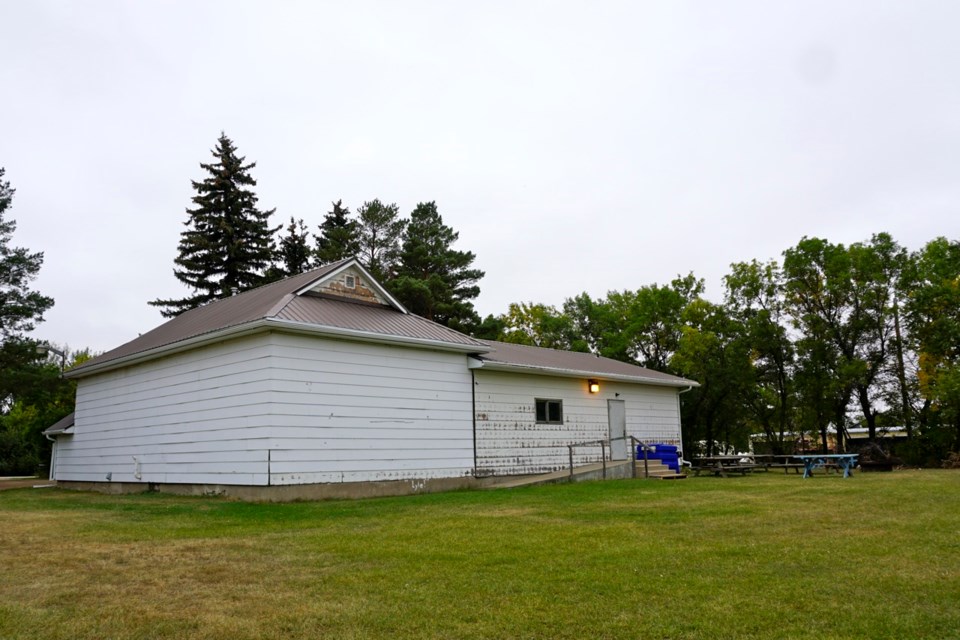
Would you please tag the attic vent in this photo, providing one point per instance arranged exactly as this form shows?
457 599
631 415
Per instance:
350 282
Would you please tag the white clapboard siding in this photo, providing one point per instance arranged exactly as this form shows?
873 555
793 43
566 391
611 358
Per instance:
275 409
509 440
196 417
351 412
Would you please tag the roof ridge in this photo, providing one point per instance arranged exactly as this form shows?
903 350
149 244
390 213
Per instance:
279 306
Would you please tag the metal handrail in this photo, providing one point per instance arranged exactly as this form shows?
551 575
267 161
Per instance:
635 444
603 453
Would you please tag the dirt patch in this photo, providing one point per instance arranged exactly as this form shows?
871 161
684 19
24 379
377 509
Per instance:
21 483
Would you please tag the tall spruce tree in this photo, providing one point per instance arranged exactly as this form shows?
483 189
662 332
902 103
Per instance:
379 234
228 244
338 237
293 256
433 279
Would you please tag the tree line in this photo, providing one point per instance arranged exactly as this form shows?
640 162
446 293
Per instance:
828 338
229 246
33 394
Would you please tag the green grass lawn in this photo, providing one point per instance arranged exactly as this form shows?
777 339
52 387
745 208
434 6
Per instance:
765 556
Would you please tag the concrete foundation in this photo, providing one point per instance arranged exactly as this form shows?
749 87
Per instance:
353 490
287 493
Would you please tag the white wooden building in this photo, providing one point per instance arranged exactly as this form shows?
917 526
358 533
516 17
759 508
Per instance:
325 380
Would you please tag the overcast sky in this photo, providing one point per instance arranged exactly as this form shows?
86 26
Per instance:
575 146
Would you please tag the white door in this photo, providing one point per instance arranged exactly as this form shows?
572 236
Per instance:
617 418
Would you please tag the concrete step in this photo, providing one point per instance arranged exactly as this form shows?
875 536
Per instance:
654 468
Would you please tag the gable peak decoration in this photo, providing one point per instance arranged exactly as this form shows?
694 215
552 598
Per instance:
352 282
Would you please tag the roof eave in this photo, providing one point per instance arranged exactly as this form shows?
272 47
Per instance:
186 344
265 324
370 336
491 365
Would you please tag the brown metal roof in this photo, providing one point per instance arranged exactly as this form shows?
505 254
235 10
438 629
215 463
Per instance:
279 301
571 362
368 318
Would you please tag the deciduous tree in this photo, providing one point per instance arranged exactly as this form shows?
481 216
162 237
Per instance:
712 350
540 325
933 317
642 327
755 296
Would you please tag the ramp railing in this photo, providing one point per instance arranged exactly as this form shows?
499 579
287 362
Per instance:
590 443
637 447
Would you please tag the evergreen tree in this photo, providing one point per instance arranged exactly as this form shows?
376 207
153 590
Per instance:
433 279
338 236
20 308
228 244
294 253
379 234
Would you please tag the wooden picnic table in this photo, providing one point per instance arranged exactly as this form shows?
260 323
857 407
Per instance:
722 465
778 461
845 461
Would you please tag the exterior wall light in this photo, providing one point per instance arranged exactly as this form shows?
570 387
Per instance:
593 386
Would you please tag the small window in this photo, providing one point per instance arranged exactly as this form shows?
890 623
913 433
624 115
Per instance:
350 282
549 411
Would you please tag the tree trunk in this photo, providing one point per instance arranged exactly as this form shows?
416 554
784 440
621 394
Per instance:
869 414
709 425
906 409
956 444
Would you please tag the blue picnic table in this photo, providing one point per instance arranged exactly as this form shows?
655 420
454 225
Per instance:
845 461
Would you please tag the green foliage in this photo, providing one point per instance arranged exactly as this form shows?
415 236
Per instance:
432 279
25 384
838 336
490 328
642 327
540 325
40 398
712 350
294 253
755 297
933 316
845 303
228 245
379 232
338 237
20 307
